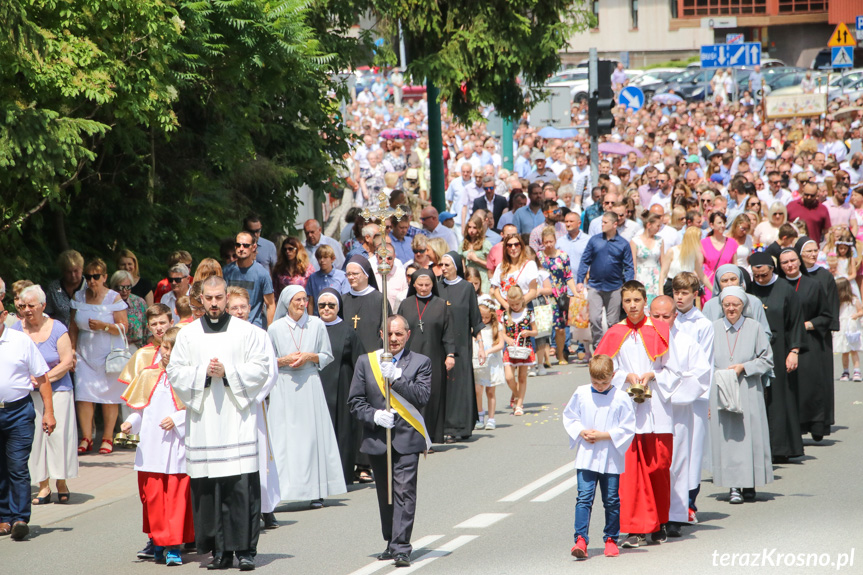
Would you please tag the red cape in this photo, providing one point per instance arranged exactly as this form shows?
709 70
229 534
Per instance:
654 336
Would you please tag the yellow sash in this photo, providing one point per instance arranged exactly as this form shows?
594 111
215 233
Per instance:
401 406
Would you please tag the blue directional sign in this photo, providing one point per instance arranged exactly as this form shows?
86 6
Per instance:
842 57
859 20
632 97
731 55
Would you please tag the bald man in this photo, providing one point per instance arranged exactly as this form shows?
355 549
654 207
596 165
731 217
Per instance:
668 234
315 238
434 229
692 371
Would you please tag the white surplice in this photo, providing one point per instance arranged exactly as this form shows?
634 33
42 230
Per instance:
270 493
611 412
160 451
692 378
221 413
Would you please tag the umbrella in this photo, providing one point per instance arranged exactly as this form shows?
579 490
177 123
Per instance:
399 135
667 99
850 112
550 133
618 149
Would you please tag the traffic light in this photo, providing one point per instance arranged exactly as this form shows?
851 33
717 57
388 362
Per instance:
601 102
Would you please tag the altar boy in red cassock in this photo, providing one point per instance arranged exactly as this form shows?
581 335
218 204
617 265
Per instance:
640 349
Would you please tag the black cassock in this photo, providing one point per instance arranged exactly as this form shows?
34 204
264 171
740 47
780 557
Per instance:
813 376
364 314
461 409
336 379
828 284
434 340
782 308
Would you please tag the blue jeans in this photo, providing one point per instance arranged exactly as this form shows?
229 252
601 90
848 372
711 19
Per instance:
608 488
17 428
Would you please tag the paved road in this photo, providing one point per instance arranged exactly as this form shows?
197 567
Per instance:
501 503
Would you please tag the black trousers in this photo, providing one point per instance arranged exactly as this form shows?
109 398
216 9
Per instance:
227 513
397 520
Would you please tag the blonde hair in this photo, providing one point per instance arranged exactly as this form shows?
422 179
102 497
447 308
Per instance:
70 259
439 247
170 336
237 291
183 306
127 254
690 246
601 367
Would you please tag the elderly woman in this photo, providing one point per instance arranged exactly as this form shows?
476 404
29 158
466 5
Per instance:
122 283
98 315
52 456
304 442
740 438
767 231
178 279
142 288
59 295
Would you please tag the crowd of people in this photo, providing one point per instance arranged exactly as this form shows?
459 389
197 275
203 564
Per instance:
728 244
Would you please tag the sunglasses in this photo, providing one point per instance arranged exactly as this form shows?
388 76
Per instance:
175 280
124 288
242 245
257 231
324 305
290 249
514 245
89 277
419 251
489 189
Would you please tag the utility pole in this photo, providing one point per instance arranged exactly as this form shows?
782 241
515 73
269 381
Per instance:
436 180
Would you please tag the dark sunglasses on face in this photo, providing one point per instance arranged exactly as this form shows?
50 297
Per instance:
290 248
242 245
257 231
419 251
324 305
513 245
89 277
124 288
175 280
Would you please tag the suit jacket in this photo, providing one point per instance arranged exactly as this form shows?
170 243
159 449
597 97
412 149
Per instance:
365 398
499 205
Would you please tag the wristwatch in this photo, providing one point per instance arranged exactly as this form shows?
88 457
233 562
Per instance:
106 327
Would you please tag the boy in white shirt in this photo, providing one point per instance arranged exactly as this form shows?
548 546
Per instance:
600 421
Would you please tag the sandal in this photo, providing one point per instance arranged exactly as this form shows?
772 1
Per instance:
518 411
41 500
364 476
856 376
105 451
63 498
85 445
845 376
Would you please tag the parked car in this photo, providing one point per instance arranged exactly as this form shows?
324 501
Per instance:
823 60
792 79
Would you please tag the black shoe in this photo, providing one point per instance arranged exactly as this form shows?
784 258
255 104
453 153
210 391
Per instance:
222 561
148 552
780 459
402 560
189 547
387 555
817 438
317 504
674 530
246 562
21 530
270 521
748 493
660 536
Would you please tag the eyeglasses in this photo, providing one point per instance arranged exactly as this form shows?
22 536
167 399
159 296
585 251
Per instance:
176 280
242 245
124 288
488 188
513 245
290 248
89 277
257 231
775 182
325 305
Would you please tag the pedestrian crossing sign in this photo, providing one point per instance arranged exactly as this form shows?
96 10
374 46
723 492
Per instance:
842 57
841 36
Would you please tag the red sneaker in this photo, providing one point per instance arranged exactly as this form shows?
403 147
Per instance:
692 518
611 549
579 550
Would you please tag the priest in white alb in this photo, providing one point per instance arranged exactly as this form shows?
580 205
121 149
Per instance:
218 366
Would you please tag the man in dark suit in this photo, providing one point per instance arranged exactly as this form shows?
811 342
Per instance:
410 374
490 201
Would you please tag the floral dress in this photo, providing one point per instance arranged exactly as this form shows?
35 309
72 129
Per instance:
561 272
138 330
374 178
647 265
483 270
515 323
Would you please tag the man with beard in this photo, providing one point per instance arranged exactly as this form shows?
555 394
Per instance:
808 209
218 367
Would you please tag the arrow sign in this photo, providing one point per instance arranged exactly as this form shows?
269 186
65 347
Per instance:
736 56
632 97
722 55
755 53
841 37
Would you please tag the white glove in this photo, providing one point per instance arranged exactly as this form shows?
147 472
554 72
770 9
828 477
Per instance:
388 369
385 419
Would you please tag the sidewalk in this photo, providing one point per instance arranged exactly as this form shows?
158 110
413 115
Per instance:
102 480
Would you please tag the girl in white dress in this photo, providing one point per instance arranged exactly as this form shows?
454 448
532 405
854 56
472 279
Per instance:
847 340
490 374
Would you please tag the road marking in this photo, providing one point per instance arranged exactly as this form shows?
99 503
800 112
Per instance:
531 487
556 490
441 551
378 565
482 520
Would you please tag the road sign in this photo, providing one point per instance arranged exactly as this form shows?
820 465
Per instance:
841 37
731 56
734 38
632 97
842 57
859 27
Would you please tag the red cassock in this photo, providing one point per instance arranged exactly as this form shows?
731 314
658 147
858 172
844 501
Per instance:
645 485
167 508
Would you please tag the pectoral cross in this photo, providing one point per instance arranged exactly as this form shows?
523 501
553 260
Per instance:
356 318
420 324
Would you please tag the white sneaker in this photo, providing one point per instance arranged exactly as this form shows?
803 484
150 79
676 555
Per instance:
541 369
489 425
531 372
479 423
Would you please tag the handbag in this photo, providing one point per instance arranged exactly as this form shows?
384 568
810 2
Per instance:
853 338
118 357
543 315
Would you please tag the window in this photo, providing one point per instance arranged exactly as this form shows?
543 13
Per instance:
672 5
698 8
633 11
594 7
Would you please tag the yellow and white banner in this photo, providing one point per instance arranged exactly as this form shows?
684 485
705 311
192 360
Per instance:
795 105
401 405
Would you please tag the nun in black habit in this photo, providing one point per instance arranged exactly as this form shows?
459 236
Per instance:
363 304
430 323
782 309
460 296
813 378
336 377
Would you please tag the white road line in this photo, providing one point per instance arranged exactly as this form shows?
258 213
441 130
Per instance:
482 520
556 490
378 565
441 551
516 495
